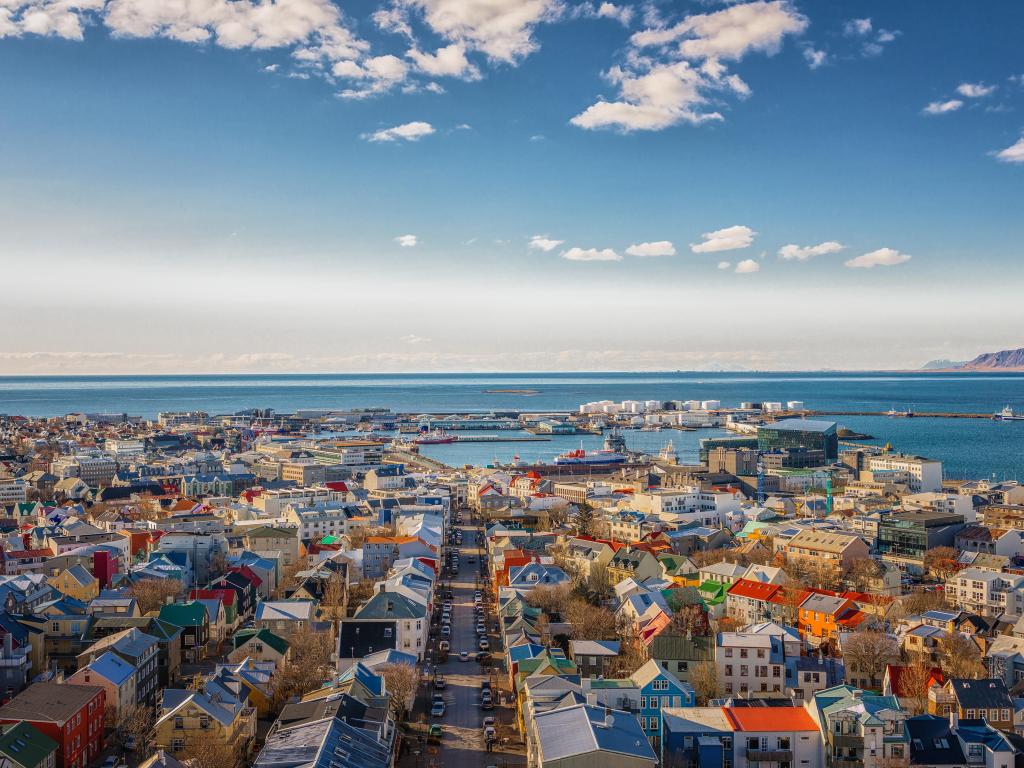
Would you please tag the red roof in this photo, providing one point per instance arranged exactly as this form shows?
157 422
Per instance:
226 596
773 719
26 554
755 590
337 485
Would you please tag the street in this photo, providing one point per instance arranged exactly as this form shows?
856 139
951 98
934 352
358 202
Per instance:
463 744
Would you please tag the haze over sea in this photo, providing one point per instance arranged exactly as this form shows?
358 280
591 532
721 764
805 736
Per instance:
968 447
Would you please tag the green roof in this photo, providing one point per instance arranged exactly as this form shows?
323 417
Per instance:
609 683
26 746
184 614
713 592
265 636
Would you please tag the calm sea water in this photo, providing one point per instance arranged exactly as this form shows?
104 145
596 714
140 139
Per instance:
969 448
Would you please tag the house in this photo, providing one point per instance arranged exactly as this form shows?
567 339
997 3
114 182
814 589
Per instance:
194 622
593 657
137 648
260 645
822 616
583 734
410 617
939 741
775 735
189 717
894 683
284 617
659 688
360 638
76 582
116 676
23 746
753 663
986 699
750 601
859 728
264 538
70 715
631 563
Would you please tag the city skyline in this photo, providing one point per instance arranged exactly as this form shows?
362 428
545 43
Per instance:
435 185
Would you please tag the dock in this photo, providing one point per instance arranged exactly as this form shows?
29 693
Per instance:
502 439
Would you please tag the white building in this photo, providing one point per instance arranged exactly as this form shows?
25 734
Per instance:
314 521
917 473
13 492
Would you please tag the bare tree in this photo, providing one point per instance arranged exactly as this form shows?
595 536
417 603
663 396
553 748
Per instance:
332 604
914 685
960 657
209 750
941 562
598 582
558 516
589 622
689 620
793 593
400 680
704 679
138 724
308 666
920 600
867 652
583 521
864 573
632 656
150 594
550 598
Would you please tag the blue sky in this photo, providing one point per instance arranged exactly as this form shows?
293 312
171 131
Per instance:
462 184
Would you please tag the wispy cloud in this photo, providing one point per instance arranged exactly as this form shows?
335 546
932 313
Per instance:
544 243
942 107
883 257
975 90
413 131
407 241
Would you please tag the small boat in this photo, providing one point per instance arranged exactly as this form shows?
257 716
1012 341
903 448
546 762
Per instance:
1007 414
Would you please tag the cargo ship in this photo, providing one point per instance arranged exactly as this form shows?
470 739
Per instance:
436 437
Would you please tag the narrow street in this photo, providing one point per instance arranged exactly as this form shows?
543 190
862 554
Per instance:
463 744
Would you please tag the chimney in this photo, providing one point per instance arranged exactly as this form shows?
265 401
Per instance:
954 717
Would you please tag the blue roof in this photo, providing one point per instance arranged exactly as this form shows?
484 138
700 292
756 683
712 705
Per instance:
112 667
584 729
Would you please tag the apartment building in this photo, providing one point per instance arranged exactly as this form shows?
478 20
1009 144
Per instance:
985 592
817 548
93 469
919 474
272 503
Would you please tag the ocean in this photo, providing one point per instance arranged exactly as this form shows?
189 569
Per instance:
968 447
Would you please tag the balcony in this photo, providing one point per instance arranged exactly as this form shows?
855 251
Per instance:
846 740
770 755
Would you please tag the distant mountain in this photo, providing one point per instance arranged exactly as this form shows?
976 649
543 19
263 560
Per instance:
941 365
1008 359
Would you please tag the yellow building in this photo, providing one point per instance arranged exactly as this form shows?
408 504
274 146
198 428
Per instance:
76 582
189 719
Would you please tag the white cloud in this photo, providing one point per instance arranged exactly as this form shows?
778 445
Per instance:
413 339
975 90
501 29
803 253
857 27
449 61
657 248
591 254
815 58
883 257
1013 153
544 243
943 107
393 20
724 264
728 239
413 131
748 266
674 83
621 13
407 241
271 68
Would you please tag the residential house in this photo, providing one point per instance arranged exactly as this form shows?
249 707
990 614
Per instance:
410 617
23 746
775 736
76 582
631 563
70 715
860 729
194 622
594 657
986 699
190 717
816 548
582 734
260 645
116 676
284 617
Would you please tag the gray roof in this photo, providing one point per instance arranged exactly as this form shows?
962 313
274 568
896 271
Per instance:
585 729
802 425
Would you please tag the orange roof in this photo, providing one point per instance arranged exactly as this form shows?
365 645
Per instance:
770 719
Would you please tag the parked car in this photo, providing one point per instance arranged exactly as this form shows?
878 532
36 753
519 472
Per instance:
437 709
435 733
443 646
463 655
439 682
485 644
446 630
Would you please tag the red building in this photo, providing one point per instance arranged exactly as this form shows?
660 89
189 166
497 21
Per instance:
71 715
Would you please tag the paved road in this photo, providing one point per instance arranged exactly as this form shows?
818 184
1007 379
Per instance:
463 745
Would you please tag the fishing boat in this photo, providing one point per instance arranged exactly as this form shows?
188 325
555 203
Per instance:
580 456
904 414
1007 414
435 437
